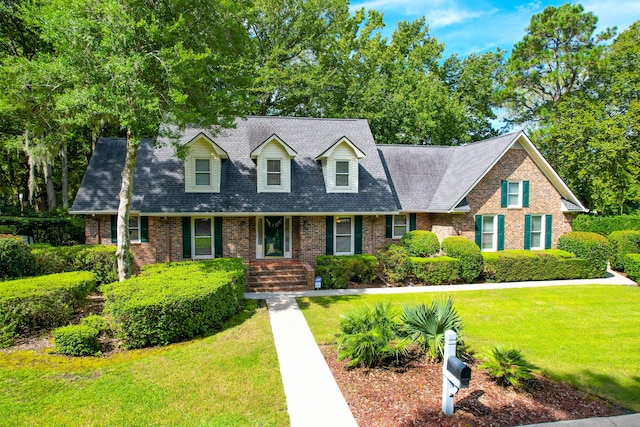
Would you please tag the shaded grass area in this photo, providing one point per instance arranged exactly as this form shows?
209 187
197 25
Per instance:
227 379
587 336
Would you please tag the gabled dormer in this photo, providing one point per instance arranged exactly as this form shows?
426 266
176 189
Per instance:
203 165
273 162
340 166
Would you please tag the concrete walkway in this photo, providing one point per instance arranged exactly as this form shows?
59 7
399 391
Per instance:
313 396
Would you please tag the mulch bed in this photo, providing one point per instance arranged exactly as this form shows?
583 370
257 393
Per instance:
412 396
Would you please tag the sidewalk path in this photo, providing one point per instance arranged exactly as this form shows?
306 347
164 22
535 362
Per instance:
313 396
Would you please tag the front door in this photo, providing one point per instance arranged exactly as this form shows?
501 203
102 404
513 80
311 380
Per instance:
273 237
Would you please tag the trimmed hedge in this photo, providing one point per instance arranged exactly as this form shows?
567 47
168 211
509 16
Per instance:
590 246
468 253
56 230
435 271
99 259
605 225
524 265
337 270
28 306
76 340
421 243
632 266
623 242
175 301
15 258
395 262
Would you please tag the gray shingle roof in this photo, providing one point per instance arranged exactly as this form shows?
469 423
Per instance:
159 181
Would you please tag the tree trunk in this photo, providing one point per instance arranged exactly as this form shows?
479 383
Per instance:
51 191
123 255
65 175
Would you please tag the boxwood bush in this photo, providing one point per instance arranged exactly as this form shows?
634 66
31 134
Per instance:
632 266
435 271
421 243
76 340
175 301
99 259
395 262
524 265
605 225
623 242
337 270
468 253
15 258
590 246
28 306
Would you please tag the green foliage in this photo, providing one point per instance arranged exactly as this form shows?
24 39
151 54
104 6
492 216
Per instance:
395 262
7 229
99 323
507 366
15 258
605 225
369 337
468 253
175 301
99 259
623 243
435 271
590 246
524 265
421 243
337 270
632 266
55 230
426 326
76 340
28 306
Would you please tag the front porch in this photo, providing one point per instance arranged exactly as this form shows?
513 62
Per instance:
279 276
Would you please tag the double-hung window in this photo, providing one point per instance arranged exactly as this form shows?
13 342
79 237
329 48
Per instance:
400 226
274 172
134 228
342 173
515 194
343 237
490 232
202 168
202 238
537 231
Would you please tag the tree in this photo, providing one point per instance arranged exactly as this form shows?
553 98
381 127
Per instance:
140 64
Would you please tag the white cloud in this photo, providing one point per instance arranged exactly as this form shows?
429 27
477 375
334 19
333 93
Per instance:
610 13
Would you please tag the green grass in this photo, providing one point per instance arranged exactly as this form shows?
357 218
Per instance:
587 336
227 379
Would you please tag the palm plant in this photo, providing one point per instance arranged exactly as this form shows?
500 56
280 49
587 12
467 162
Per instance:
506 365
426 325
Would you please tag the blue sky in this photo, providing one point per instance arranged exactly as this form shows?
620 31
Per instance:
467 26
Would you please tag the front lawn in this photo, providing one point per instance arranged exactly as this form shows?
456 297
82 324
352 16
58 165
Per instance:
227 379
586 336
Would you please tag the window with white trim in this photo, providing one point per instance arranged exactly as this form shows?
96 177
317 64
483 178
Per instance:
514 194
342 173
274 173
537 232
343 235
202 170
489 230
400 226
134 228
202 237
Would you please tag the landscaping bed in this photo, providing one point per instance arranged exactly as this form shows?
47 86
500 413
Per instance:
412 396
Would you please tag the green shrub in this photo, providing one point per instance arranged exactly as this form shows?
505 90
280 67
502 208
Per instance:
426 325
369 337
7 229
507 366
99 323
468 253
524 265
15 258
175 301
435 271
632 266
623 242
76 340
421 243
590 246
605 225
337 270
30 305
395 262
99 259
56 228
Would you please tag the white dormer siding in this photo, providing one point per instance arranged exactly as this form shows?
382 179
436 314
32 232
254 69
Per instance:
340 167
273 162
202 166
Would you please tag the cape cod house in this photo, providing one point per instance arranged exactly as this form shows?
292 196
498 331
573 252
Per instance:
276 188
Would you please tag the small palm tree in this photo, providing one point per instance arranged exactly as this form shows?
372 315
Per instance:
507 366
426 326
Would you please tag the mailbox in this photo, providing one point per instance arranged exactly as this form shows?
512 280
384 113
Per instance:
458 372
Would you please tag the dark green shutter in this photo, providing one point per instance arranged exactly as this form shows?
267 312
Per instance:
389 228
525 194
548 231
329 248
412 222
479 230
114 228
217 236
144 228
358 236
503 194
500 232
527 231
186 237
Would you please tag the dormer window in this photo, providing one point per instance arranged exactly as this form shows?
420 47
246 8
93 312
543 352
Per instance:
273 162
342 173
203 172
340 166
274 172
203 165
